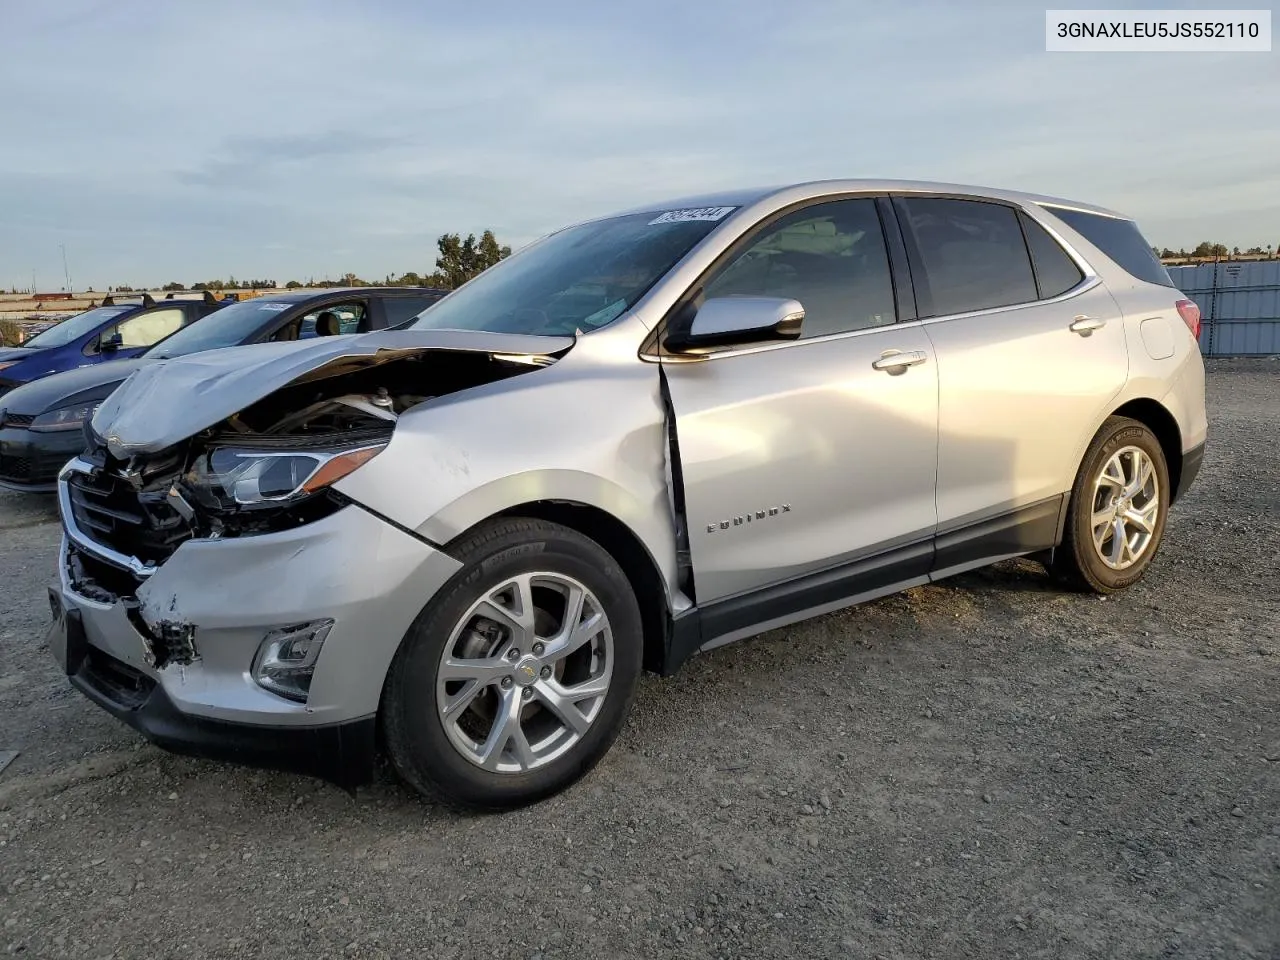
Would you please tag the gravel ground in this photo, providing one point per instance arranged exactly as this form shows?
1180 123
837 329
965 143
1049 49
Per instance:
986 768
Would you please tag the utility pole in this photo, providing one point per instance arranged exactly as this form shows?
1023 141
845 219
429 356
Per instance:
63 248
33 281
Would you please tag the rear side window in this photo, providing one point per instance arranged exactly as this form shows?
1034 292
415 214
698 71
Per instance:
1056 272
1118 239
973 255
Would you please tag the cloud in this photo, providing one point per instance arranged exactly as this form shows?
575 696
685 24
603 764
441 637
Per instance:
304 138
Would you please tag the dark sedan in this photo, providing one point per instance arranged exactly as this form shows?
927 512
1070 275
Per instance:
42 423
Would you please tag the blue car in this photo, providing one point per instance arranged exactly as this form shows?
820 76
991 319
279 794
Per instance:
122 327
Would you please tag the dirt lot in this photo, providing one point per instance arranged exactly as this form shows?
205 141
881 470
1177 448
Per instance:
989 768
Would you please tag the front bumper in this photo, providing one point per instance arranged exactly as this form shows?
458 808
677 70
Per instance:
369 577
342 753
30 460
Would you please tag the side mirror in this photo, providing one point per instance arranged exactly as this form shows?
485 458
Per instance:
724 321
110 344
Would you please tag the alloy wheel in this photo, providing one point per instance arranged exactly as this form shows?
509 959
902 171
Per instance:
525 672
1126 508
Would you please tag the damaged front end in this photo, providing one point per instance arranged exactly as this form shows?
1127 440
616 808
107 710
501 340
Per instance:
263 467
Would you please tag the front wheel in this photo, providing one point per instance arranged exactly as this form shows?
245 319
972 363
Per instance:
1119 504
516 678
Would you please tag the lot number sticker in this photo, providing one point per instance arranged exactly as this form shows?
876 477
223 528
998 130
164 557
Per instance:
697 213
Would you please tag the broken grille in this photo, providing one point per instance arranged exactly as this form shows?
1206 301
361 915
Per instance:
140 524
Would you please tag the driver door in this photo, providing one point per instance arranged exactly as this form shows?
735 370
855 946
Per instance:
806 468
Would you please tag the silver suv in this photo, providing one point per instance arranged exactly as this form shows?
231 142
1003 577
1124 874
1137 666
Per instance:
637 439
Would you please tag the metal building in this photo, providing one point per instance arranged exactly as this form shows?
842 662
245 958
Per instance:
1239 305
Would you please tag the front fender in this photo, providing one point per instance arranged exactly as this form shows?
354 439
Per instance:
589 430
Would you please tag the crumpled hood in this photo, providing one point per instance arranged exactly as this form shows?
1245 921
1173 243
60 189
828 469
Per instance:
169 400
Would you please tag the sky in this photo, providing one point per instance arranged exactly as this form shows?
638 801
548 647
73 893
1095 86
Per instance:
307 138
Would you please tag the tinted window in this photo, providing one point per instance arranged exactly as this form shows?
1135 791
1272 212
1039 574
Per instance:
830 257
73 328
973 255
1056 272
1118 239
399 309
149 327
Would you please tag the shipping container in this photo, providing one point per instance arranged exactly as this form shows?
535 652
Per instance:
1239 305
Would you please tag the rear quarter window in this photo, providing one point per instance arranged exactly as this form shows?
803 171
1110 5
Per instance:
1118 239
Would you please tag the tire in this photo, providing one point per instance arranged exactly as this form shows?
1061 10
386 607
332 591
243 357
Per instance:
1082 562
445 758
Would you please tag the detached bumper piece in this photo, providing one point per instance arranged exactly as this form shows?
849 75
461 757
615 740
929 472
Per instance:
342 754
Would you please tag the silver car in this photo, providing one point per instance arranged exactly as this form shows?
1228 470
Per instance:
637 439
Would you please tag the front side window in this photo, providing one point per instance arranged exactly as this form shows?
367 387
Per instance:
149 327
581 278
830 257
972 253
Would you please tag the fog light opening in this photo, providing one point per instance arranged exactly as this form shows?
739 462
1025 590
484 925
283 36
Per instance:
286 659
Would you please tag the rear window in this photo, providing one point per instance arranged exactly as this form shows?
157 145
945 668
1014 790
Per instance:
1118 239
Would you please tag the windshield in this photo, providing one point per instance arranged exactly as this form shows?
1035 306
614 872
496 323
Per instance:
73 328
229 326
578 279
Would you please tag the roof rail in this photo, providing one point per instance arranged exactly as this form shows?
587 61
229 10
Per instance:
116 299
204 295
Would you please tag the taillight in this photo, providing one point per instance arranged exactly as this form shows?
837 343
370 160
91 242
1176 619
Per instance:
1190 314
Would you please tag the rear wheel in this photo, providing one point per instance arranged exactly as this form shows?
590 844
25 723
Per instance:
516 678
1119 504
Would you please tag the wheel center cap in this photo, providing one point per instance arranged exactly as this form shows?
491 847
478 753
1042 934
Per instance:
525 672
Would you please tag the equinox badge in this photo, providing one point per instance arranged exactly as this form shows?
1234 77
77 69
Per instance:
749 517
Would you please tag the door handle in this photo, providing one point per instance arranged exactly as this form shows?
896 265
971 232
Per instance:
1086 325
894 362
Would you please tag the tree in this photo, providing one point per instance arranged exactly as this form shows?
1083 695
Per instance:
1209 249
460 260
292 285
410 279
174 286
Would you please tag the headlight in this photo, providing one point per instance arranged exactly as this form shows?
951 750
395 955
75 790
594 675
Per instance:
230 477
66 418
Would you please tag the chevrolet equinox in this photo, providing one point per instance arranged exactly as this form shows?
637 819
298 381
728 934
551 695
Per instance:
641 437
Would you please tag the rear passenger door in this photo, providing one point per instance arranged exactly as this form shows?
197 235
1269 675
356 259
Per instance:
1030 351
815 454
